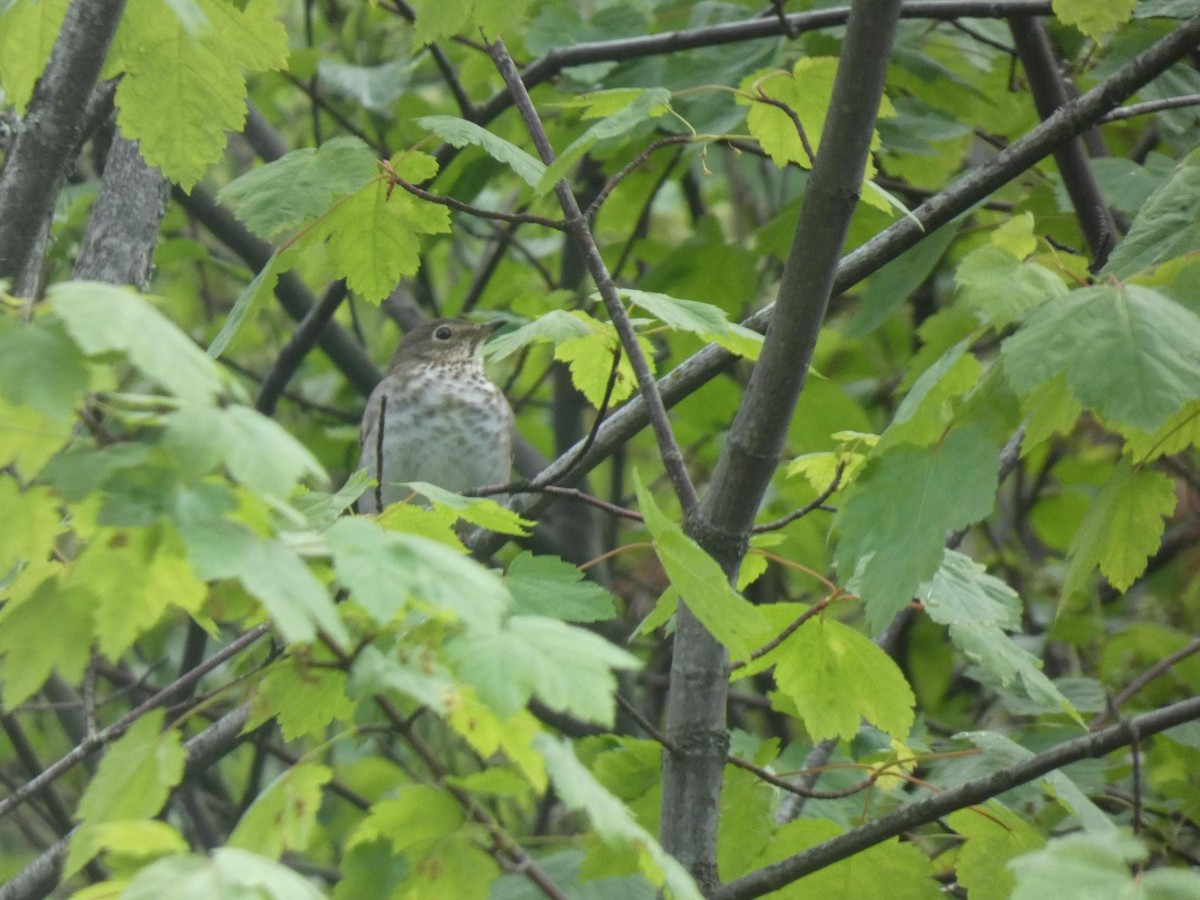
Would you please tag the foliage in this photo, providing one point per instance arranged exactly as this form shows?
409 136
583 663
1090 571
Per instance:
278 697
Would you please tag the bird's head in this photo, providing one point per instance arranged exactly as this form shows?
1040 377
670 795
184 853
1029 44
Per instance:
444 342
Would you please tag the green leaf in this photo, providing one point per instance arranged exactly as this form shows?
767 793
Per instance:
260 287
137 839
1092 865
304 699
427 682
29 523
1178 433
134 576
556 326
482 511
136 775
299 186
584 343
728 616
383 569
836 677
563 867
413 821
567 668
373 236
256 450
703 319
28 438
102 318
1122 529
994 836
283 816
461 133
1050 409
891 286
648 104
51 631
892 869
893 526
1095 18
182 90
27 33
611 818
1167 225
978 609
43 347
590 359
1000 288
807 90
549 586
928 409
230 873
746 822
443 18
376 88
295 600
1128 352
1002 752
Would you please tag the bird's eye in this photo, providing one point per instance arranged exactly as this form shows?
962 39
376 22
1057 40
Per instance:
443 333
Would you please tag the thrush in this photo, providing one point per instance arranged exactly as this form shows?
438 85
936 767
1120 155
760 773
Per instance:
436 416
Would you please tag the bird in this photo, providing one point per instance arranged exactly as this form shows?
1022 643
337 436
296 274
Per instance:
436 417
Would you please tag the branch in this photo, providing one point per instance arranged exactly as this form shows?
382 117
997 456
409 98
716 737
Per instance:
577 225
1159 668
817 503
930 809
118 245
307 334
699 684
754 29
479 211
40 877
95 741
48 138
1152 106
1050 95
1078 115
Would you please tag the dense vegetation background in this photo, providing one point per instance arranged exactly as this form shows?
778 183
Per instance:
906 608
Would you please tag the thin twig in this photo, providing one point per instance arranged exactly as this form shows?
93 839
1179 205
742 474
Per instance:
630 167
318 100
577 225
465 106
90 744
793 788
479 211
784 634
302 342
818 503
770 777
760 97
981 37
1151 106
1159 668
503 842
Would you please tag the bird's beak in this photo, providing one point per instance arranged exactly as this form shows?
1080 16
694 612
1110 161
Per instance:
495 325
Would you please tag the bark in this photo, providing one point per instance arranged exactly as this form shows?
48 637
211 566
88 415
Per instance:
122 233
1049 96
693 768
50 133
